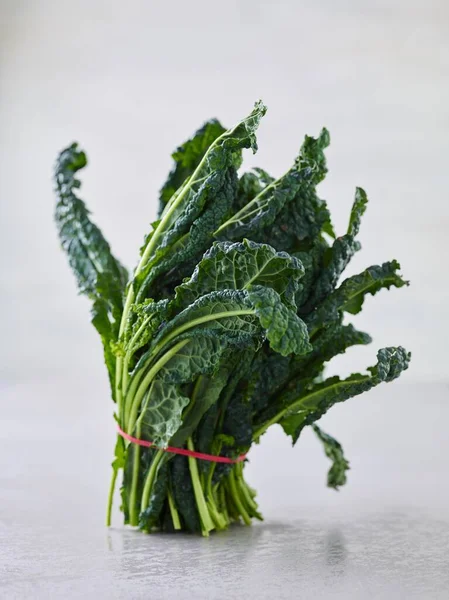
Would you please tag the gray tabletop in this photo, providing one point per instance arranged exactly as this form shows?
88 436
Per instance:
385 535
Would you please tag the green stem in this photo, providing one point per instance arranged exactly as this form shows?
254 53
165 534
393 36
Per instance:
200 321
217 517
206 521
222 503
237 500
230 504
241 483
118 388
149 480
111 496
142 389
193 398
210 475
252 506
173 511
125 314
216 449
136 379
248 499
172 206
119 361
129 354
133 511
242 213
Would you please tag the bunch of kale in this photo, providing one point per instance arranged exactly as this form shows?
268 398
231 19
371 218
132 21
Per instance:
226 324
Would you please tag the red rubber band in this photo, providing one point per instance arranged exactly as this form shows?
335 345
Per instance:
183 451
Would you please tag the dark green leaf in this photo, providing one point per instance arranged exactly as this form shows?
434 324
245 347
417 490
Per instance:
150 317
250 185
181 484
312 155
150 517
317 400
206 394
338 256
187 157
285 331
238 366
237 317
300 222
336 475
333 340
262 210
102 322
189 248
350 295
88 251
235 266
99 275
275 374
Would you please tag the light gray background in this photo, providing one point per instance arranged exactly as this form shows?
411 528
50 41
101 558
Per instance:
130 81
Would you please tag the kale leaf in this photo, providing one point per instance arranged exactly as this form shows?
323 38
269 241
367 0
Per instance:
336 475
99 275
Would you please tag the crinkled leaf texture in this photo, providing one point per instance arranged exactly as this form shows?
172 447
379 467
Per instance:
285 331
89 253
162 413
236 266
98 273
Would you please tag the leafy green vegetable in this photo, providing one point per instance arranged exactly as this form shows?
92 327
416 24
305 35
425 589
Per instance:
226 325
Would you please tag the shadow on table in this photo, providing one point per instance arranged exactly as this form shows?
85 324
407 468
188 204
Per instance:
285 547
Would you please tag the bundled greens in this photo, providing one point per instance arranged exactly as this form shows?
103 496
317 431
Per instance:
226 324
